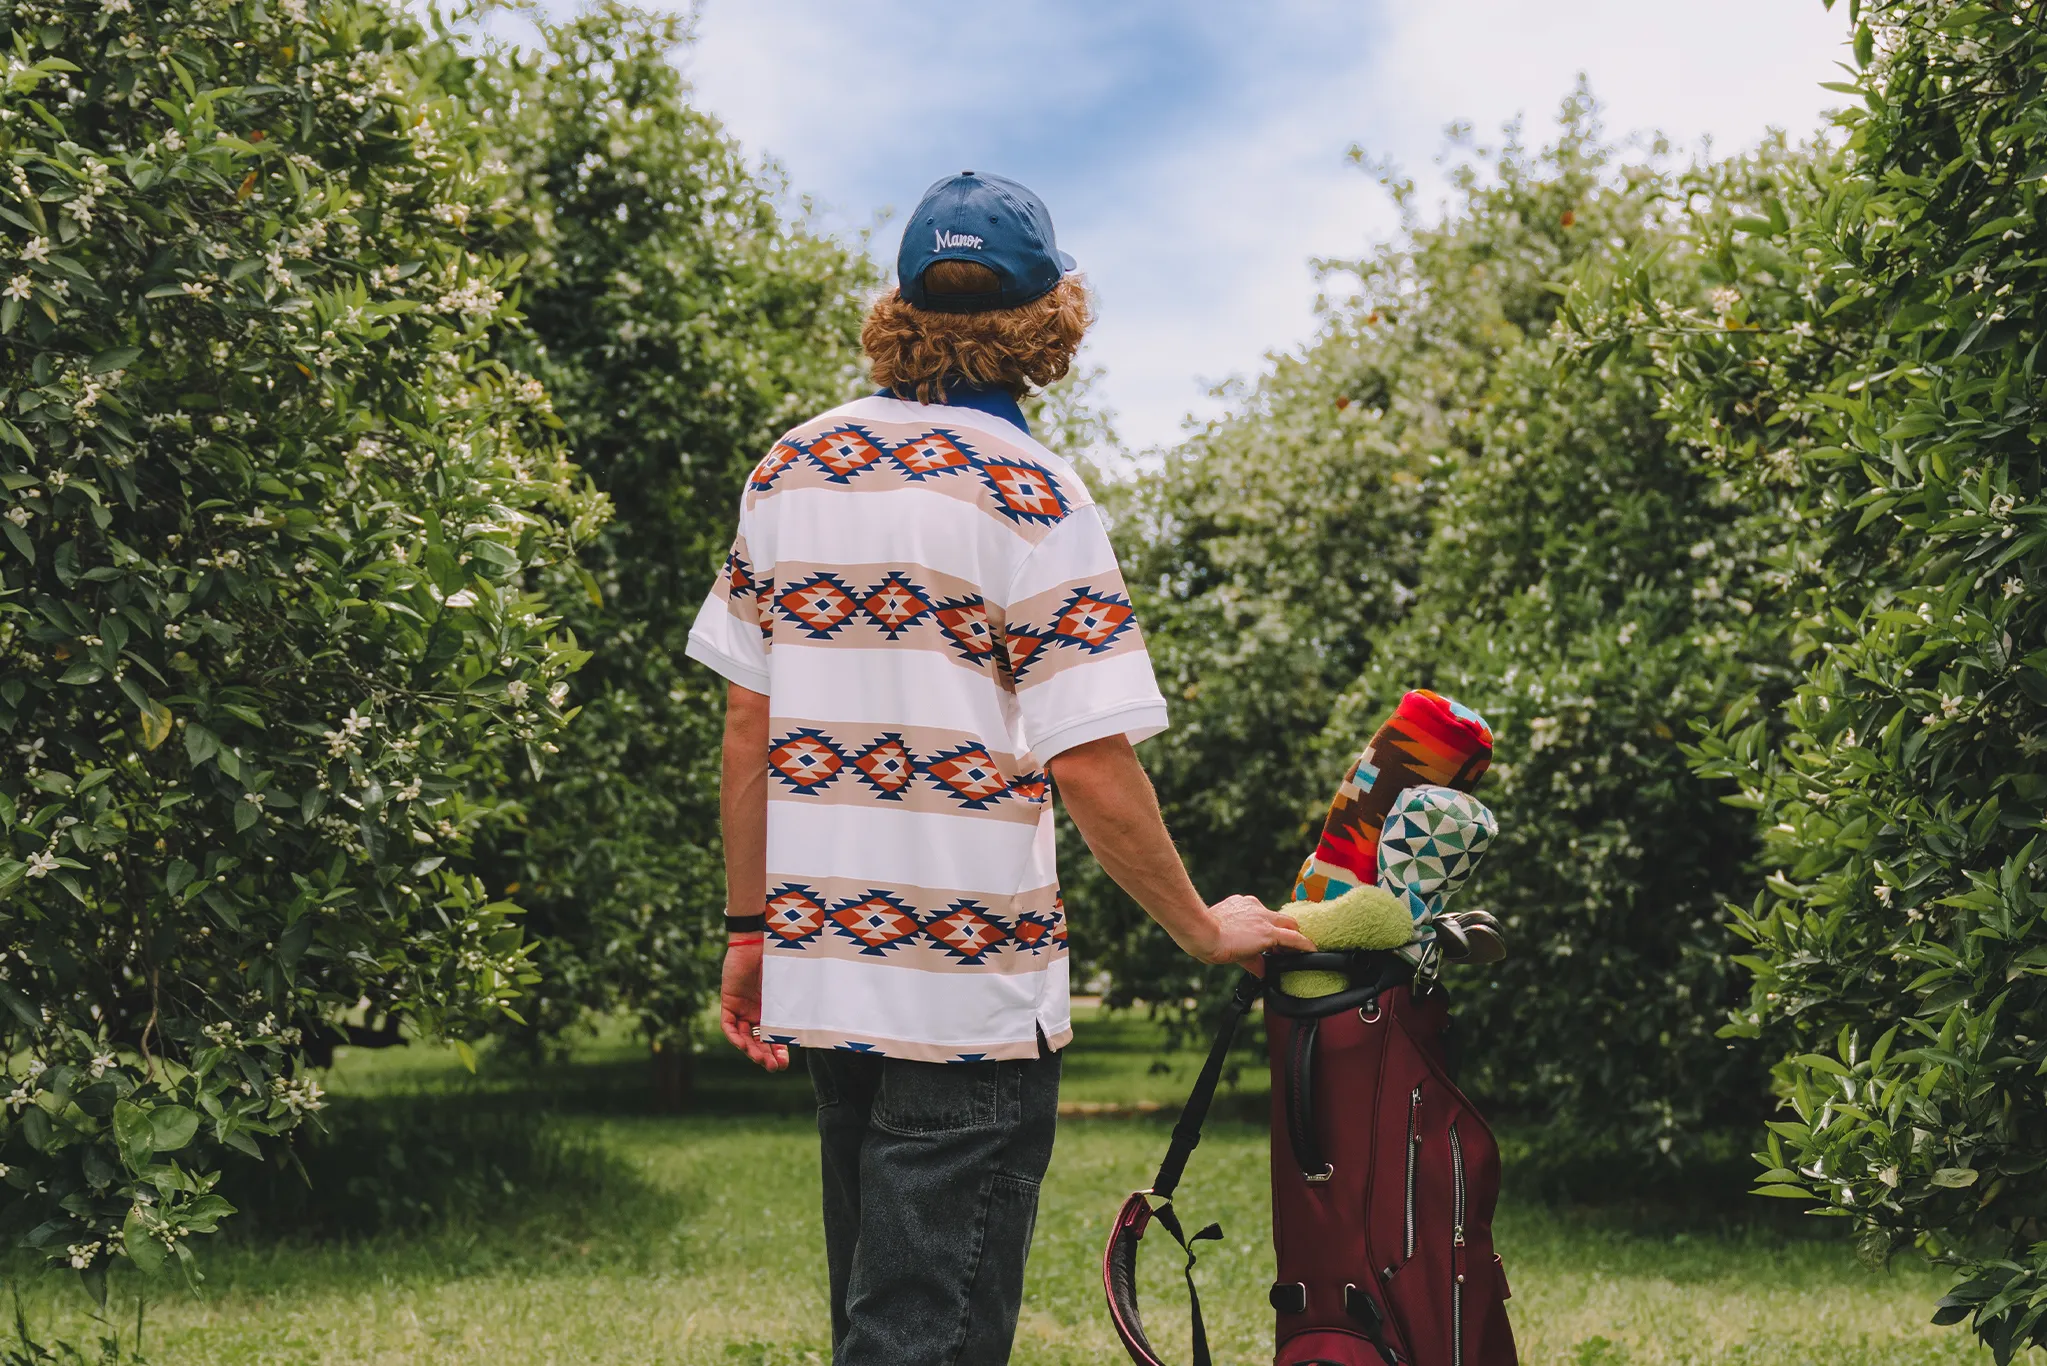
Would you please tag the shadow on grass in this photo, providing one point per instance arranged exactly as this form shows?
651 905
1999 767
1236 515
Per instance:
478 1168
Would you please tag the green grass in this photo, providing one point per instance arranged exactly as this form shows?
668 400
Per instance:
599 1234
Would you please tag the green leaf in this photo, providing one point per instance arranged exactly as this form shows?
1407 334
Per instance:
1955 1176
1784 1192
133 1133
120 358
201 744
171 1127
143 1248
18 1003
1820 1062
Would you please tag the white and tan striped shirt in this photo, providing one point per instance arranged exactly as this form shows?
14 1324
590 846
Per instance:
929 600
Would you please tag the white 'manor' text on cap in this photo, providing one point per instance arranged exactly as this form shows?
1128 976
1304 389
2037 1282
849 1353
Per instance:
948 240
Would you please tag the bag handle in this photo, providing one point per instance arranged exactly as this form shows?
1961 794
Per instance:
1155 1202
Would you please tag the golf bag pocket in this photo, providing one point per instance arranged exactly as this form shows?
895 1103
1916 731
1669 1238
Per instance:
1384 1180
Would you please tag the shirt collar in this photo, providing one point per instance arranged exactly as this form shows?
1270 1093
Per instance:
995 402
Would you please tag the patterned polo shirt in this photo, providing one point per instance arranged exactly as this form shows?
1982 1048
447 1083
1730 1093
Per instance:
930 602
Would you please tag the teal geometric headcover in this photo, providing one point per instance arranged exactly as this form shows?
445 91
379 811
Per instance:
1432 840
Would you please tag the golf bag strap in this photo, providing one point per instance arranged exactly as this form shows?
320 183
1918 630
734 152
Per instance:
1119 1259
1187 1132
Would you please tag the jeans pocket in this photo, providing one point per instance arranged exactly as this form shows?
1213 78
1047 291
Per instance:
939 1097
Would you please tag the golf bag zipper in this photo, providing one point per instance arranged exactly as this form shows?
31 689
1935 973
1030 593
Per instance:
1414 1150
1456 1248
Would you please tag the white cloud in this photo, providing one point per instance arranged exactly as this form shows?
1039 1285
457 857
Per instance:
1193 154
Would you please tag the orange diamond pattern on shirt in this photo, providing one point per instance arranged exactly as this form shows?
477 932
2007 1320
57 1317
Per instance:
794 916
966 932
778 459
1021 648
1092 621
887 766
932 453
966 624
819 605
845 452
1032 787
738 575
1024 492
896 604
805 761
1035 932
877 922
969 776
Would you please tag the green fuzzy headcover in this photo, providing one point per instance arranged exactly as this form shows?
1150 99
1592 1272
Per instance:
1365 917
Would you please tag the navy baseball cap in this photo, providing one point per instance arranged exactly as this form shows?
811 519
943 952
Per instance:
989 219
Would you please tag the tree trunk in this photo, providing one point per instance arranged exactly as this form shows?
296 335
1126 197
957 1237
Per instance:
674 1075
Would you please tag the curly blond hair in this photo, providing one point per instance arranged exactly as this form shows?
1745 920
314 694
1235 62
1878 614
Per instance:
916 351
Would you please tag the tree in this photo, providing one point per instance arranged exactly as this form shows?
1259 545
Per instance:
1900 935
681 319
1422 498
268 509
1595 583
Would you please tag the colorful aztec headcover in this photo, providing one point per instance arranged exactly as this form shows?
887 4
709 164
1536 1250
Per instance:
1428 741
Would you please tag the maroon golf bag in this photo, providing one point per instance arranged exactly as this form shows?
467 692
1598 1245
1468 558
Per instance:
1383 1181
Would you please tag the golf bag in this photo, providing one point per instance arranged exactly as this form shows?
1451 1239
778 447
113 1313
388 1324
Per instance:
1384 1176
1384 1179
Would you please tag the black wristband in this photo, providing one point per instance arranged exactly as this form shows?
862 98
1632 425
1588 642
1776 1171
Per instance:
745 924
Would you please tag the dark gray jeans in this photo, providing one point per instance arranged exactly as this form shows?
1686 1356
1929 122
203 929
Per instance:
931 1175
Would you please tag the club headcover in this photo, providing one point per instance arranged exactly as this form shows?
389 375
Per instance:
1429 847
1429 739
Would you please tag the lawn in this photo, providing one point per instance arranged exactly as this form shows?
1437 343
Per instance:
573 1227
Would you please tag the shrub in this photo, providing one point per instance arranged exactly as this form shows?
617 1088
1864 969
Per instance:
681 319
1900 934
1427 500
266 508
1594 585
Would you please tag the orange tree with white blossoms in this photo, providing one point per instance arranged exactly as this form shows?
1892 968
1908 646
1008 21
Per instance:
266 510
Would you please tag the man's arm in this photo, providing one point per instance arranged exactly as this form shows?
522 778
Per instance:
1111 800
743 812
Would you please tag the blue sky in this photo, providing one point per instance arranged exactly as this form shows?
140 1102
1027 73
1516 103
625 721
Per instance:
1193 153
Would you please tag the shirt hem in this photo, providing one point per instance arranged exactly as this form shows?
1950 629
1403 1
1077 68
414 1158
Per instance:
914 1050
1138 720
729 667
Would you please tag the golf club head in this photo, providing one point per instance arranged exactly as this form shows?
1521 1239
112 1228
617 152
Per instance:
1487 944
1450 937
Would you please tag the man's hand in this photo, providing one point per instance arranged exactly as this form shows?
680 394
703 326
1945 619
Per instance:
739 1006
1239 930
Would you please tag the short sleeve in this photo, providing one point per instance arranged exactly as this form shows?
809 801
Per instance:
1073 648
728 635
